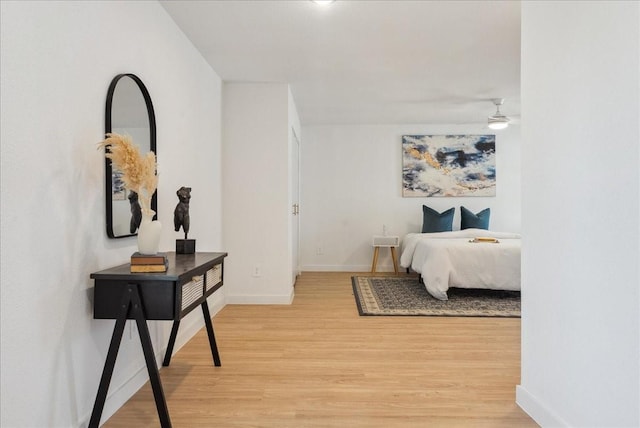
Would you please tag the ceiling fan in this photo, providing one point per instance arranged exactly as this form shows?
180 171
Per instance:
498 120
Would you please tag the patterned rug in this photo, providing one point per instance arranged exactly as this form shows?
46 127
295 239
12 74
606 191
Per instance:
390 295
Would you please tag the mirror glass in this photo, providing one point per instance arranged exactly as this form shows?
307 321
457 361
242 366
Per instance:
129 111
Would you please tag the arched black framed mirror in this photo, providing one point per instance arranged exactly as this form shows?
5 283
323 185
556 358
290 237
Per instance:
129 111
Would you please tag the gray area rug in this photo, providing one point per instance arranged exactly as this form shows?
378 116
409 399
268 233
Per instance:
390 295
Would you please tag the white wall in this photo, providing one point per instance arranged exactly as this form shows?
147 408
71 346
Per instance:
256 210
57 61
352 186
580 222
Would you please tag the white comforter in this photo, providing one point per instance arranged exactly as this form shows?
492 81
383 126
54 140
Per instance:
448 259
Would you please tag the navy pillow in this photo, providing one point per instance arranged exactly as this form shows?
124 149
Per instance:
469 220
433 221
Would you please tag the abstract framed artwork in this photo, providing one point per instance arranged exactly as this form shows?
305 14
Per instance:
448 165
118 191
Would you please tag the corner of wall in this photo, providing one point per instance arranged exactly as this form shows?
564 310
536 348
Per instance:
538 411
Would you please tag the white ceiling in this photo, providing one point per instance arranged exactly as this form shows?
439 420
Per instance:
367 62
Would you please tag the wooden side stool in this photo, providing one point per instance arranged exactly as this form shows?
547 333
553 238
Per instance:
391 242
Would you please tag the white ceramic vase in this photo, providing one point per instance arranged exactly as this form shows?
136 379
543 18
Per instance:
149 235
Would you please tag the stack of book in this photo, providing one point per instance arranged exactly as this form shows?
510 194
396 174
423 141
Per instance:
149 263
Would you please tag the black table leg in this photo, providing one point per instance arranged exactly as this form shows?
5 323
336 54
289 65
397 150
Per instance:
130 302
110 362
212 337
172 342
152 368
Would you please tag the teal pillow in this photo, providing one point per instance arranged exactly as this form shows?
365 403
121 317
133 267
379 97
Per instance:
469 220
433 221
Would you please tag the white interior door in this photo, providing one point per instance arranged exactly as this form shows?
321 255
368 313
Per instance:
295 208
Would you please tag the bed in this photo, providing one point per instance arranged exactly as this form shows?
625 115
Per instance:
450 259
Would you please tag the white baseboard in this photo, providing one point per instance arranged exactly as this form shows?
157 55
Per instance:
347 268
119 395
537 410
253 299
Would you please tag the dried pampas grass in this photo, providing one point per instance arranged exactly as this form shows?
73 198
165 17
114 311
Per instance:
138 171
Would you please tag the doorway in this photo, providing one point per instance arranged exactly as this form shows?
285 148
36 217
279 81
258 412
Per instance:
295 206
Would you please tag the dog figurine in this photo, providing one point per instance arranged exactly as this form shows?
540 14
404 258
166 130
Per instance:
181 213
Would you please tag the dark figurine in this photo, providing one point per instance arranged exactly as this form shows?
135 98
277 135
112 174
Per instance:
181 213
136 212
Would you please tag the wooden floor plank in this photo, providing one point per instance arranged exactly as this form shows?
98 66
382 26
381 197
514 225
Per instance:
317 363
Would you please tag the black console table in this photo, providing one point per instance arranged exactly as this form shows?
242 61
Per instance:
122 295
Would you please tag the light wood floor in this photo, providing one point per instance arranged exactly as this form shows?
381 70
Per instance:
317 363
